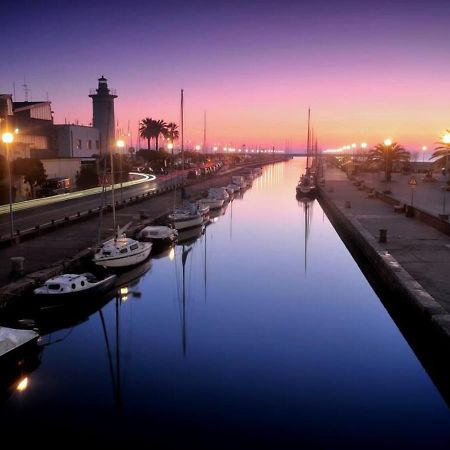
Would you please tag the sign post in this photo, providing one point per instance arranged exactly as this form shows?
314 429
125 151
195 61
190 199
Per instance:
412 184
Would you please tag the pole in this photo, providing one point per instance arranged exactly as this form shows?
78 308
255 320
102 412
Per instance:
113 199
11 218
182 131
121 175
412 196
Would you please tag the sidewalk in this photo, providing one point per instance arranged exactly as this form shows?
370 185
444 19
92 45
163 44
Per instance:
420 249
428 196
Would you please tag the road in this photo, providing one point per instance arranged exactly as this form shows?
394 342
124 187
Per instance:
37 212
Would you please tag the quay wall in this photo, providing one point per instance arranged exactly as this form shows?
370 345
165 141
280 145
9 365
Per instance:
405 292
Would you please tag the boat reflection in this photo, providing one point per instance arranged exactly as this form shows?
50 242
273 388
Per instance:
307 204
187 237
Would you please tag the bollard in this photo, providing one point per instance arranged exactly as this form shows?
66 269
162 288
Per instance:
348 204
383 235
17 263
409 211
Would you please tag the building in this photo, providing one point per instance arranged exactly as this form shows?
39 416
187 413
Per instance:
77 141
103 114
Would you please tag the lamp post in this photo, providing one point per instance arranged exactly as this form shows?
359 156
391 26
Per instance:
8 138
197 148
446 142
424 149
120 145
387 144
170 147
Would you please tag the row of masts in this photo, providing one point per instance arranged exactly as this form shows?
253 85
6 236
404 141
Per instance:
311 144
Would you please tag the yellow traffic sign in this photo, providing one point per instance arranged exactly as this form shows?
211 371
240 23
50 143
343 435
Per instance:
412 181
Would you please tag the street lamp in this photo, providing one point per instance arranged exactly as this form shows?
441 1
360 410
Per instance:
387 144
424 149
8 138
120 145
170 148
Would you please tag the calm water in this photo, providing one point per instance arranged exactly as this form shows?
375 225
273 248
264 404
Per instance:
261 338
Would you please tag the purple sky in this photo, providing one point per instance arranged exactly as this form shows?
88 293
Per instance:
369 69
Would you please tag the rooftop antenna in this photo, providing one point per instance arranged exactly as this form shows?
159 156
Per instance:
26 89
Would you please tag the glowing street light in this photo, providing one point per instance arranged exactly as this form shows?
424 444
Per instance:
424 149
446 138
363 145
8 138
388 142
197 147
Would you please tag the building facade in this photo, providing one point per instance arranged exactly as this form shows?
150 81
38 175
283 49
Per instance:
77 141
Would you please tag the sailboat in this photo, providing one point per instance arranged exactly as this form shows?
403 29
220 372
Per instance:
184 218
120 251
306 185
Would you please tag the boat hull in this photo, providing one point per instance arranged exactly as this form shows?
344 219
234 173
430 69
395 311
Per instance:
101 287
184 224
119 262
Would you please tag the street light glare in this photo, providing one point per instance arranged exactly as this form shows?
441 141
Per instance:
388 142
170 146
120 143
364 145
446 138
7 138
424 148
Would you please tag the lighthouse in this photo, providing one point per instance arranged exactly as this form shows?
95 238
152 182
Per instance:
103 113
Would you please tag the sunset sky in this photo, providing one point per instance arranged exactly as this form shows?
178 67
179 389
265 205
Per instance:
368 69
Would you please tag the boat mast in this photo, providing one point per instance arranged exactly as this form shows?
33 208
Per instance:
204 132
308 140
182 131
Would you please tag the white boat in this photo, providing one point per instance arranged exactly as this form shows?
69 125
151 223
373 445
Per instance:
122 252
12 339
219 193
230 189
69 286
197 207
239 180
182 219
213 203
158 235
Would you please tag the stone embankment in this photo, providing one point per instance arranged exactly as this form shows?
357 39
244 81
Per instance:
410 257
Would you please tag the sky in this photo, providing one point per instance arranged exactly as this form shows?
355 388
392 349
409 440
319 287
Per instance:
368 69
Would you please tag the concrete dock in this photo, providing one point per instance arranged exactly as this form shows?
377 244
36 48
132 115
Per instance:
415 257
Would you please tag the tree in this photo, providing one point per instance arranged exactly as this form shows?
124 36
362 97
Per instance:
172 133
160 129
442 152
146 130
151 129
387 155
87 177
32 170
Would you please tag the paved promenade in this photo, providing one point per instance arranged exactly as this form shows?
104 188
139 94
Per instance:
422 250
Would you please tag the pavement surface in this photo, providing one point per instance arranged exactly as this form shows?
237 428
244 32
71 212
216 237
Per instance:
422 250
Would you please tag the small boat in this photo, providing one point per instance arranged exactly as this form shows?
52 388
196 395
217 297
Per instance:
219 193
182 219
306 186
239 180
197 207
70 286
160 236
12 339
231 188
213 203
122 252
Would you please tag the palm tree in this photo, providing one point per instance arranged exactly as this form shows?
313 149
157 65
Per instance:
172 133
146 130
388 154
443 151
160 128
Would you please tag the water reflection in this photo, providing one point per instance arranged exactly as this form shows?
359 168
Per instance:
307 204
16 368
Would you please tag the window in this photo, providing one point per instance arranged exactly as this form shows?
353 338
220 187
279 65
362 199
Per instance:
124 250
134 247
89 144
97 144
78 144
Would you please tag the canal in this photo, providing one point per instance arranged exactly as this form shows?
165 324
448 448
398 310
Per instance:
261 332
